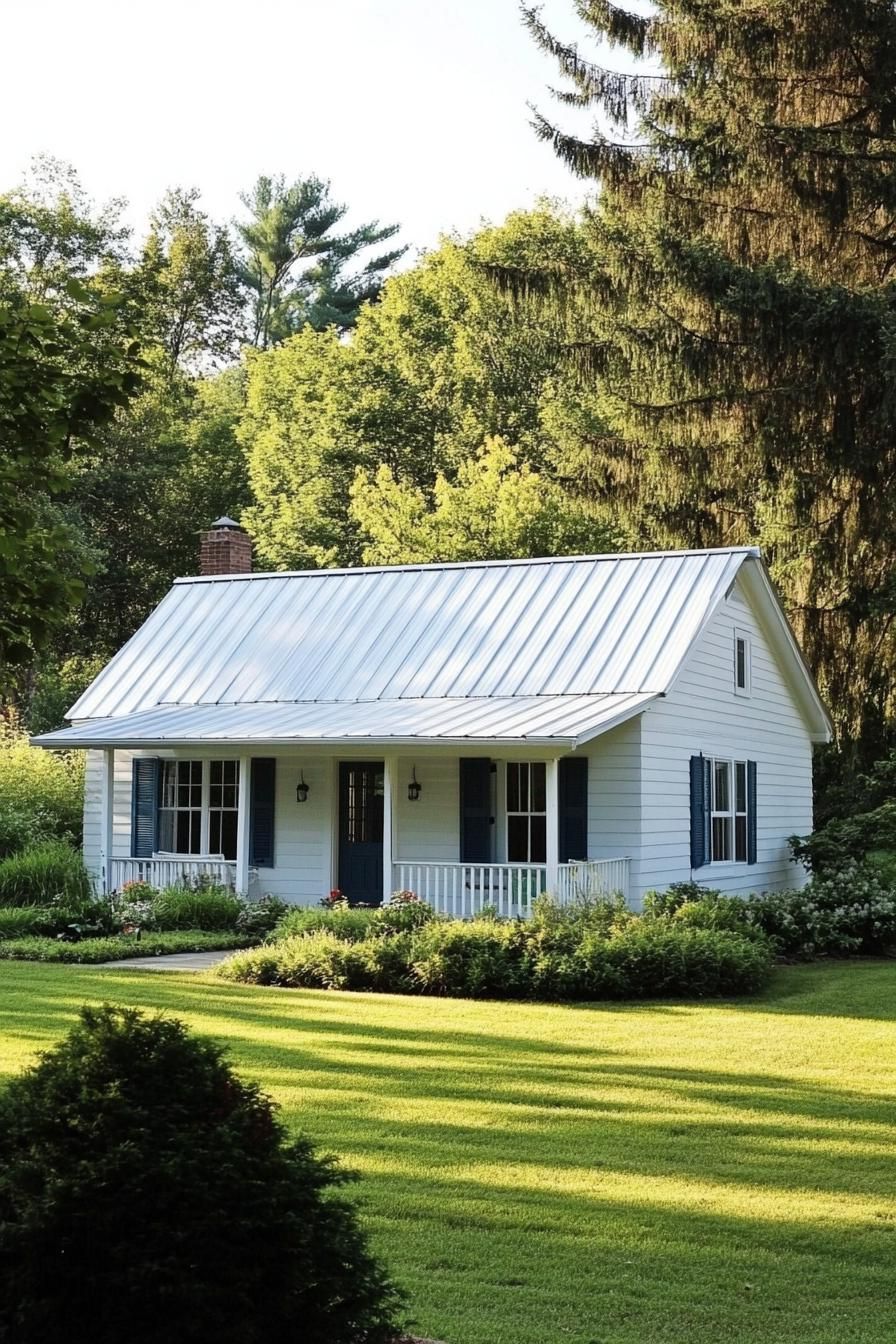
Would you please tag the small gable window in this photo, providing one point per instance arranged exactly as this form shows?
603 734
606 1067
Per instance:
742 663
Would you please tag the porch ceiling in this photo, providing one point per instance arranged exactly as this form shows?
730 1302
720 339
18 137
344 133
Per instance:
562 720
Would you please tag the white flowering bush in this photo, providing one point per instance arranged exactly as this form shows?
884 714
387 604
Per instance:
848 911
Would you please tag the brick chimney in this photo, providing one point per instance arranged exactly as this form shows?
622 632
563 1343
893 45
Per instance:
225 549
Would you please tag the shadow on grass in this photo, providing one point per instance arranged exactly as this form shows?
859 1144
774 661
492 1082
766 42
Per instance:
529 1191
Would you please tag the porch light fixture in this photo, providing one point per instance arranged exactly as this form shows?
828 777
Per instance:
414 787
302 790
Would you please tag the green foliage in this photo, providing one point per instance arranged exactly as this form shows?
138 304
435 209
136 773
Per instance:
347 923
91 950
442 365
846 911
477 959
261 917
592 950
18 921
41 794
43 873
191 282
290 223
202 907
743 305
493 509
54 687
132 1113
847 838
321 959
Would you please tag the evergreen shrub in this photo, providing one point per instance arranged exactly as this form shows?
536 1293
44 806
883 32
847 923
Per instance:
149 1194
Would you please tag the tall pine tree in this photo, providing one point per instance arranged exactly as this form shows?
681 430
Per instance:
747 226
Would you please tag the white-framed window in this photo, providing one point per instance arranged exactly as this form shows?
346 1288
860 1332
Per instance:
729 822
743 671
198 804
526 812
223 804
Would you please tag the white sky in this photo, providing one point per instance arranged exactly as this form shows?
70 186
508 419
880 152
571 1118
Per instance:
415 109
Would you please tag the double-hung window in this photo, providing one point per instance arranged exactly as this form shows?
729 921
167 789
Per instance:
526 812
198 804
729 825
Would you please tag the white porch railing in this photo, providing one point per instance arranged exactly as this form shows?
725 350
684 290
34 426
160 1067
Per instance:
170 872
591 878
464 889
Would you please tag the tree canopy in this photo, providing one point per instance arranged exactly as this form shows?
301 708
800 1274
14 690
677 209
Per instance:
745 301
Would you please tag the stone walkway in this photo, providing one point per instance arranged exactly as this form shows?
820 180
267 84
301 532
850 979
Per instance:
175 961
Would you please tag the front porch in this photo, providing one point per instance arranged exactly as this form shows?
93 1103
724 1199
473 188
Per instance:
463 833
462 890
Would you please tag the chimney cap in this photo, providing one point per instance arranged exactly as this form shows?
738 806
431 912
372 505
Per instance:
227 523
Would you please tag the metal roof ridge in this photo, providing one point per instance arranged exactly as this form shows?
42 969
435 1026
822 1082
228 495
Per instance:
753 551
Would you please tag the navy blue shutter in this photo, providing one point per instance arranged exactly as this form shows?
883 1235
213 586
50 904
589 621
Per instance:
475 810
144 806
700 812
572 790
751 811
262 786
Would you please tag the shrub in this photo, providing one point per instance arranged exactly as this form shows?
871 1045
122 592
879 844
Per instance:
479 958
201 907
258 918
38 875
590 950
345 922
657 960
322 960
172 1202
844 912
847 838
660 904
41 794
402 913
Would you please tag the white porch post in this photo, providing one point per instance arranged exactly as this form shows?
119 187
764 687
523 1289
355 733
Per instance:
107 814
242 827
390 774
552 825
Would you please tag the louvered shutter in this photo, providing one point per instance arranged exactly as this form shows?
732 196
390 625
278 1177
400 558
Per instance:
262 787
700 812
572 790
144 806
475 810
751 811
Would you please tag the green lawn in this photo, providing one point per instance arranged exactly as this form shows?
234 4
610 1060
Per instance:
627 1175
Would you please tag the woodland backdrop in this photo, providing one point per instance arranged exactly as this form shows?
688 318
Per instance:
704 356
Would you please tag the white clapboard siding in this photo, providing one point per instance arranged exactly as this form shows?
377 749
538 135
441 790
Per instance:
702 713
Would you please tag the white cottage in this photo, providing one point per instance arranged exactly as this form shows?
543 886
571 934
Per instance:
476 732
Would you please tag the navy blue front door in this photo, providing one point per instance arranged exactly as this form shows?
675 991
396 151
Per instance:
361 831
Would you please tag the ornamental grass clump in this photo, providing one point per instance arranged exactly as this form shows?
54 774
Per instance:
44 873
149 1194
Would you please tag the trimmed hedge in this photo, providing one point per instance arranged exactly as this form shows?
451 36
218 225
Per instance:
596 951
94 950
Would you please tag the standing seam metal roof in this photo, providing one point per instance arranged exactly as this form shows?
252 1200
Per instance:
581 626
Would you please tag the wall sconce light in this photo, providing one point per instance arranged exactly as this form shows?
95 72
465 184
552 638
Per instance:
414 787
302 790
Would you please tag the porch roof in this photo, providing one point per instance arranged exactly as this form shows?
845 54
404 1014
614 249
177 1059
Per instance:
564 721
